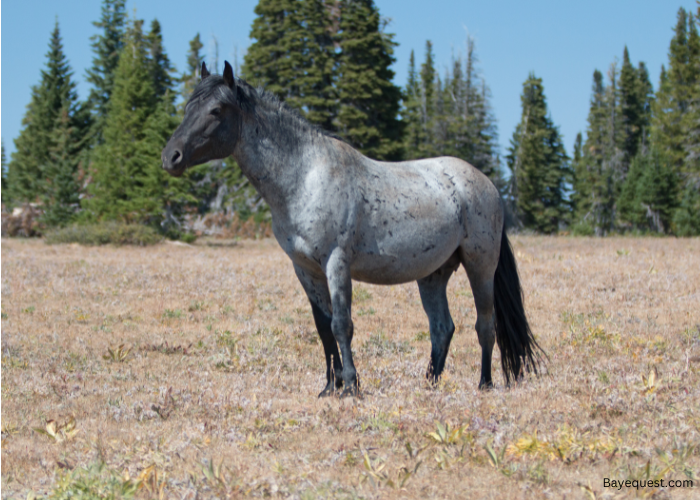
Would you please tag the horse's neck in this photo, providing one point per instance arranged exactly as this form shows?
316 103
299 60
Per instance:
274 170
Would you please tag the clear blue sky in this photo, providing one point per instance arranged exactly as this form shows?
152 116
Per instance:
561 41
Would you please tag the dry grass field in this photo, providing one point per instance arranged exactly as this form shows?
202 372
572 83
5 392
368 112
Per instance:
192 372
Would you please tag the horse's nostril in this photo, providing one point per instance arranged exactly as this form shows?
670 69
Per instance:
177 156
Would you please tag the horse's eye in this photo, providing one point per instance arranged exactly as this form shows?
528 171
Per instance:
216 111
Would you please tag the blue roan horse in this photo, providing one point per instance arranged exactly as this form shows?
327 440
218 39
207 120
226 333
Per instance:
342 216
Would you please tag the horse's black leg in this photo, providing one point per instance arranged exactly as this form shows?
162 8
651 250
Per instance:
334 367
340 286
316 288
481 279
433 294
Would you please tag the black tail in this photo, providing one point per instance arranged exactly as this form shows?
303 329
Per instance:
513 334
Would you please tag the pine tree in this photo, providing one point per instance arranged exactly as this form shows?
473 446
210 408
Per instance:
62 189
123 186
646 93
368 100
268 62
55 92
601 168
474 135
293 55
5 185
107 47
451 116
581 190
317 65
190 78
676 92
676 118
175 194
648 196
538 163
161 69
633 101
428 100
686 220
411 114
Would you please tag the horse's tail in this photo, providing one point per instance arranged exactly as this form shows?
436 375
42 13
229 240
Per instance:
513 334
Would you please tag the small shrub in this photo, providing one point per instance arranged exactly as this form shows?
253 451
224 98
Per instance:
188 237
582 228
95 481
114 233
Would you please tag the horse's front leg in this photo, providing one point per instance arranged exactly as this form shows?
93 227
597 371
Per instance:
340 285
316 288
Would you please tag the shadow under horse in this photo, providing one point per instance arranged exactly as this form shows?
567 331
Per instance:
340 216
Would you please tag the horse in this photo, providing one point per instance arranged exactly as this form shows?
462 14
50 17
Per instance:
341 216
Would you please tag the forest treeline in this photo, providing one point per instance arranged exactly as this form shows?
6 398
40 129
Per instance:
636 168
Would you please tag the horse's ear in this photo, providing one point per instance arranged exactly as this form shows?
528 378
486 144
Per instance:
228 76
205 71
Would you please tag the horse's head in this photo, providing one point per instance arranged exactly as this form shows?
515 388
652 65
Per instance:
210 127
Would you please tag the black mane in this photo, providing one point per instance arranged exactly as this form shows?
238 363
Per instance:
275 116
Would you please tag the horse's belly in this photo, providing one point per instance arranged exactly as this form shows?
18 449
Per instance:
403 256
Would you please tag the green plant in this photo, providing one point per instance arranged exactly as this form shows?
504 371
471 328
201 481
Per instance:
118 354
92 482
170 314
444 436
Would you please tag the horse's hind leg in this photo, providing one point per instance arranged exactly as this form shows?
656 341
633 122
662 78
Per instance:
433 294
481 268
316 289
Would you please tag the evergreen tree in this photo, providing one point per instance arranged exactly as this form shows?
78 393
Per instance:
412 112
174 194
428 148
648 196
595 177
632 107
686 221
538 163
54 93
646 96
293 56
316 72
472 135
368 100
190 78
677 91
268 61
161 69
125 170
581 189
5 189
676 119
451 117
61 192
107 47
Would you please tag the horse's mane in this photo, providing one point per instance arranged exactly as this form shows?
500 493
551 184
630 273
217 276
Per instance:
278 118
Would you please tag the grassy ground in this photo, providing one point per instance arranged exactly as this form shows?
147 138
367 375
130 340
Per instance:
192 372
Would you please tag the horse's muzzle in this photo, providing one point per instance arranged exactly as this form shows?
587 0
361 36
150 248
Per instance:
173 161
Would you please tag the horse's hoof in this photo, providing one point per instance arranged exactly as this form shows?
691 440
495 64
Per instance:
327 392
350 392
485 386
